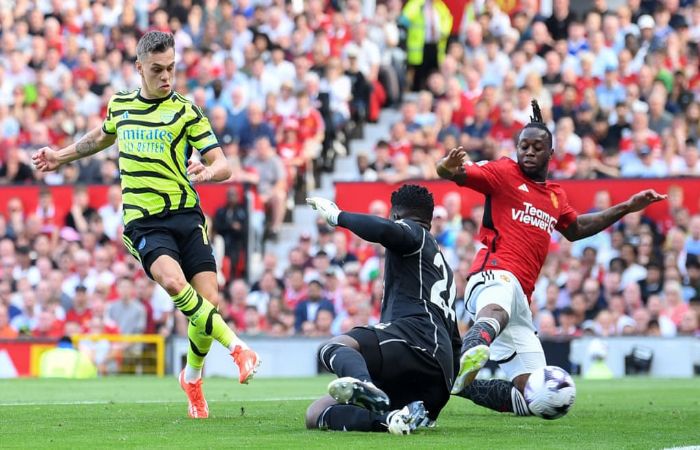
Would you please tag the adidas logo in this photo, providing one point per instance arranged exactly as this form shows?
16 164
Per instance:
523 188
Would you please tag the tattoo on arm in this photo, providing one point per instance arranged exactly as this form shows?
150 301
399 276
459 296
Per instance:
86 146
93 142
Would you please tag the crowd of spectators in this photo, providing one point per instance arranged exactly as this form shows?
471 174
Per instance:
285 85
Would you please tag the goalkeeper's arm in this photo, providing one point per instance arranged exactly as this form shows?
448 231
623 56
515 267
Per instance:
392 235
371 228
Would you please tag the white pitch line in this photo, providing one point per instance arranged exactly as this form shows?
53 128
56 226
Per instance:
147 402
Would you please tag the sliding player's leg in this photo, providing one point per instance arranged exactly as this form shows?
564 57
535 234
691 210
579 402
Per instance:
327 414
490 296
519 352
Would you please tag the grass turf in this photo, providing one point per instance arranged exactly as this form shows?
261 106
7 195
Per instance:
143 412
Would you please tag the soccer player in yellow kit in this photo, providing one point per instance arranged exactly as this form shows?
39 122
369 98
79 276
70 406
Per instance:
156 130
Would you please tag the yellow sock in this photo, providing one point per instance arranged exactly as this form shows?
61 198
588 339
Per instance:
202 314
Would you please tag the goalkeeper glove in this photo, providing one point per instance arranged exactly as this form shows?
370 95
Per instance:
326 208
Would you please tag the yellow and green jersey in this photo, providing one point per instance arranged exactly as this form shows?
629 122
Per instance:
155 138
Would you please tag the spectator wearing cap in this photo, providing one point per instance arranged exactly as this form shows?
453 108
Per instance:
644 165
307 309
444 234
360 86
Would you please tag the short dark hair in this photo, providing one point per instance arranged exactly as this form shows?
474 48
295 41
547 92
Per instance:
536 121
154 42
415 200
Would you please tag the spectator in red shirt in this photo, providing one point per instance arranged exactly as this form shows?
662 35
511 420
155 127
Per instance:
85 70
238 292
504 131
295 288
48 326
79 312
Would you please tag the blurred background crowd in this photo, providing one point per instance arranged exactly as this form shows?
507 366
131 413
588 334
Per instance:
289 85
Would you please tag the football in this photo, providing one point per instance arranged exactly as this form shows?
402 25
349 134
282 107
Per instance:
550 392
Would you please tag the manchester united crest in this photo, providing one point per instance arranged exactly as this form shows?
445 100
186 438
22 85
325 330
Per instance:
555 200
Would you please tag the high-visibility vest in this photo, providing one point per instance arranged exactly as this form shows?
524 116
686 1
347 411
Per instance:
66 363
415 35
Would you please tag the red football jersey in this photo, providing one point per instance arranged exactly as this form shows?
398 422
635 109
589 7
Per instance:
520 216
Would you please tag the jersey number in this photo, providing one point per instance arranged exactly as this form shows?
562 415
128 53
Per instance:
440 287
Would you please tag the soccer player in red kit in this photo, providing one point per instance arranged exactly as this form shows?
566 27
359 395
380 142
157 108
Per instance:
521 212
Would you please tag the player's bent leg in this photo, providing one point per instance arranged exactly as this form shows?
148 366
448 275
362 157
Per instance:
314 411
492 305
498 395
246 359
326 414
342 356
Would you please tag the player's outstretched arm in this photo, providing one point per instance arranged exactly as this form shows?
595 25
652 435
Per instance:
451 167
46 159
371 228
216 169
590 224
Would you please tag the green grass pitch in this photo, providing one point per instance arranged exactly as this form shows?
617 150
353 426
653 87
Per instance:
143 412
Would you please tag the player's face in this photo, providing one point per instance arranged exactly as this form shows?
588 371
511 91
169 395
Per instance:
534 152
157 73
